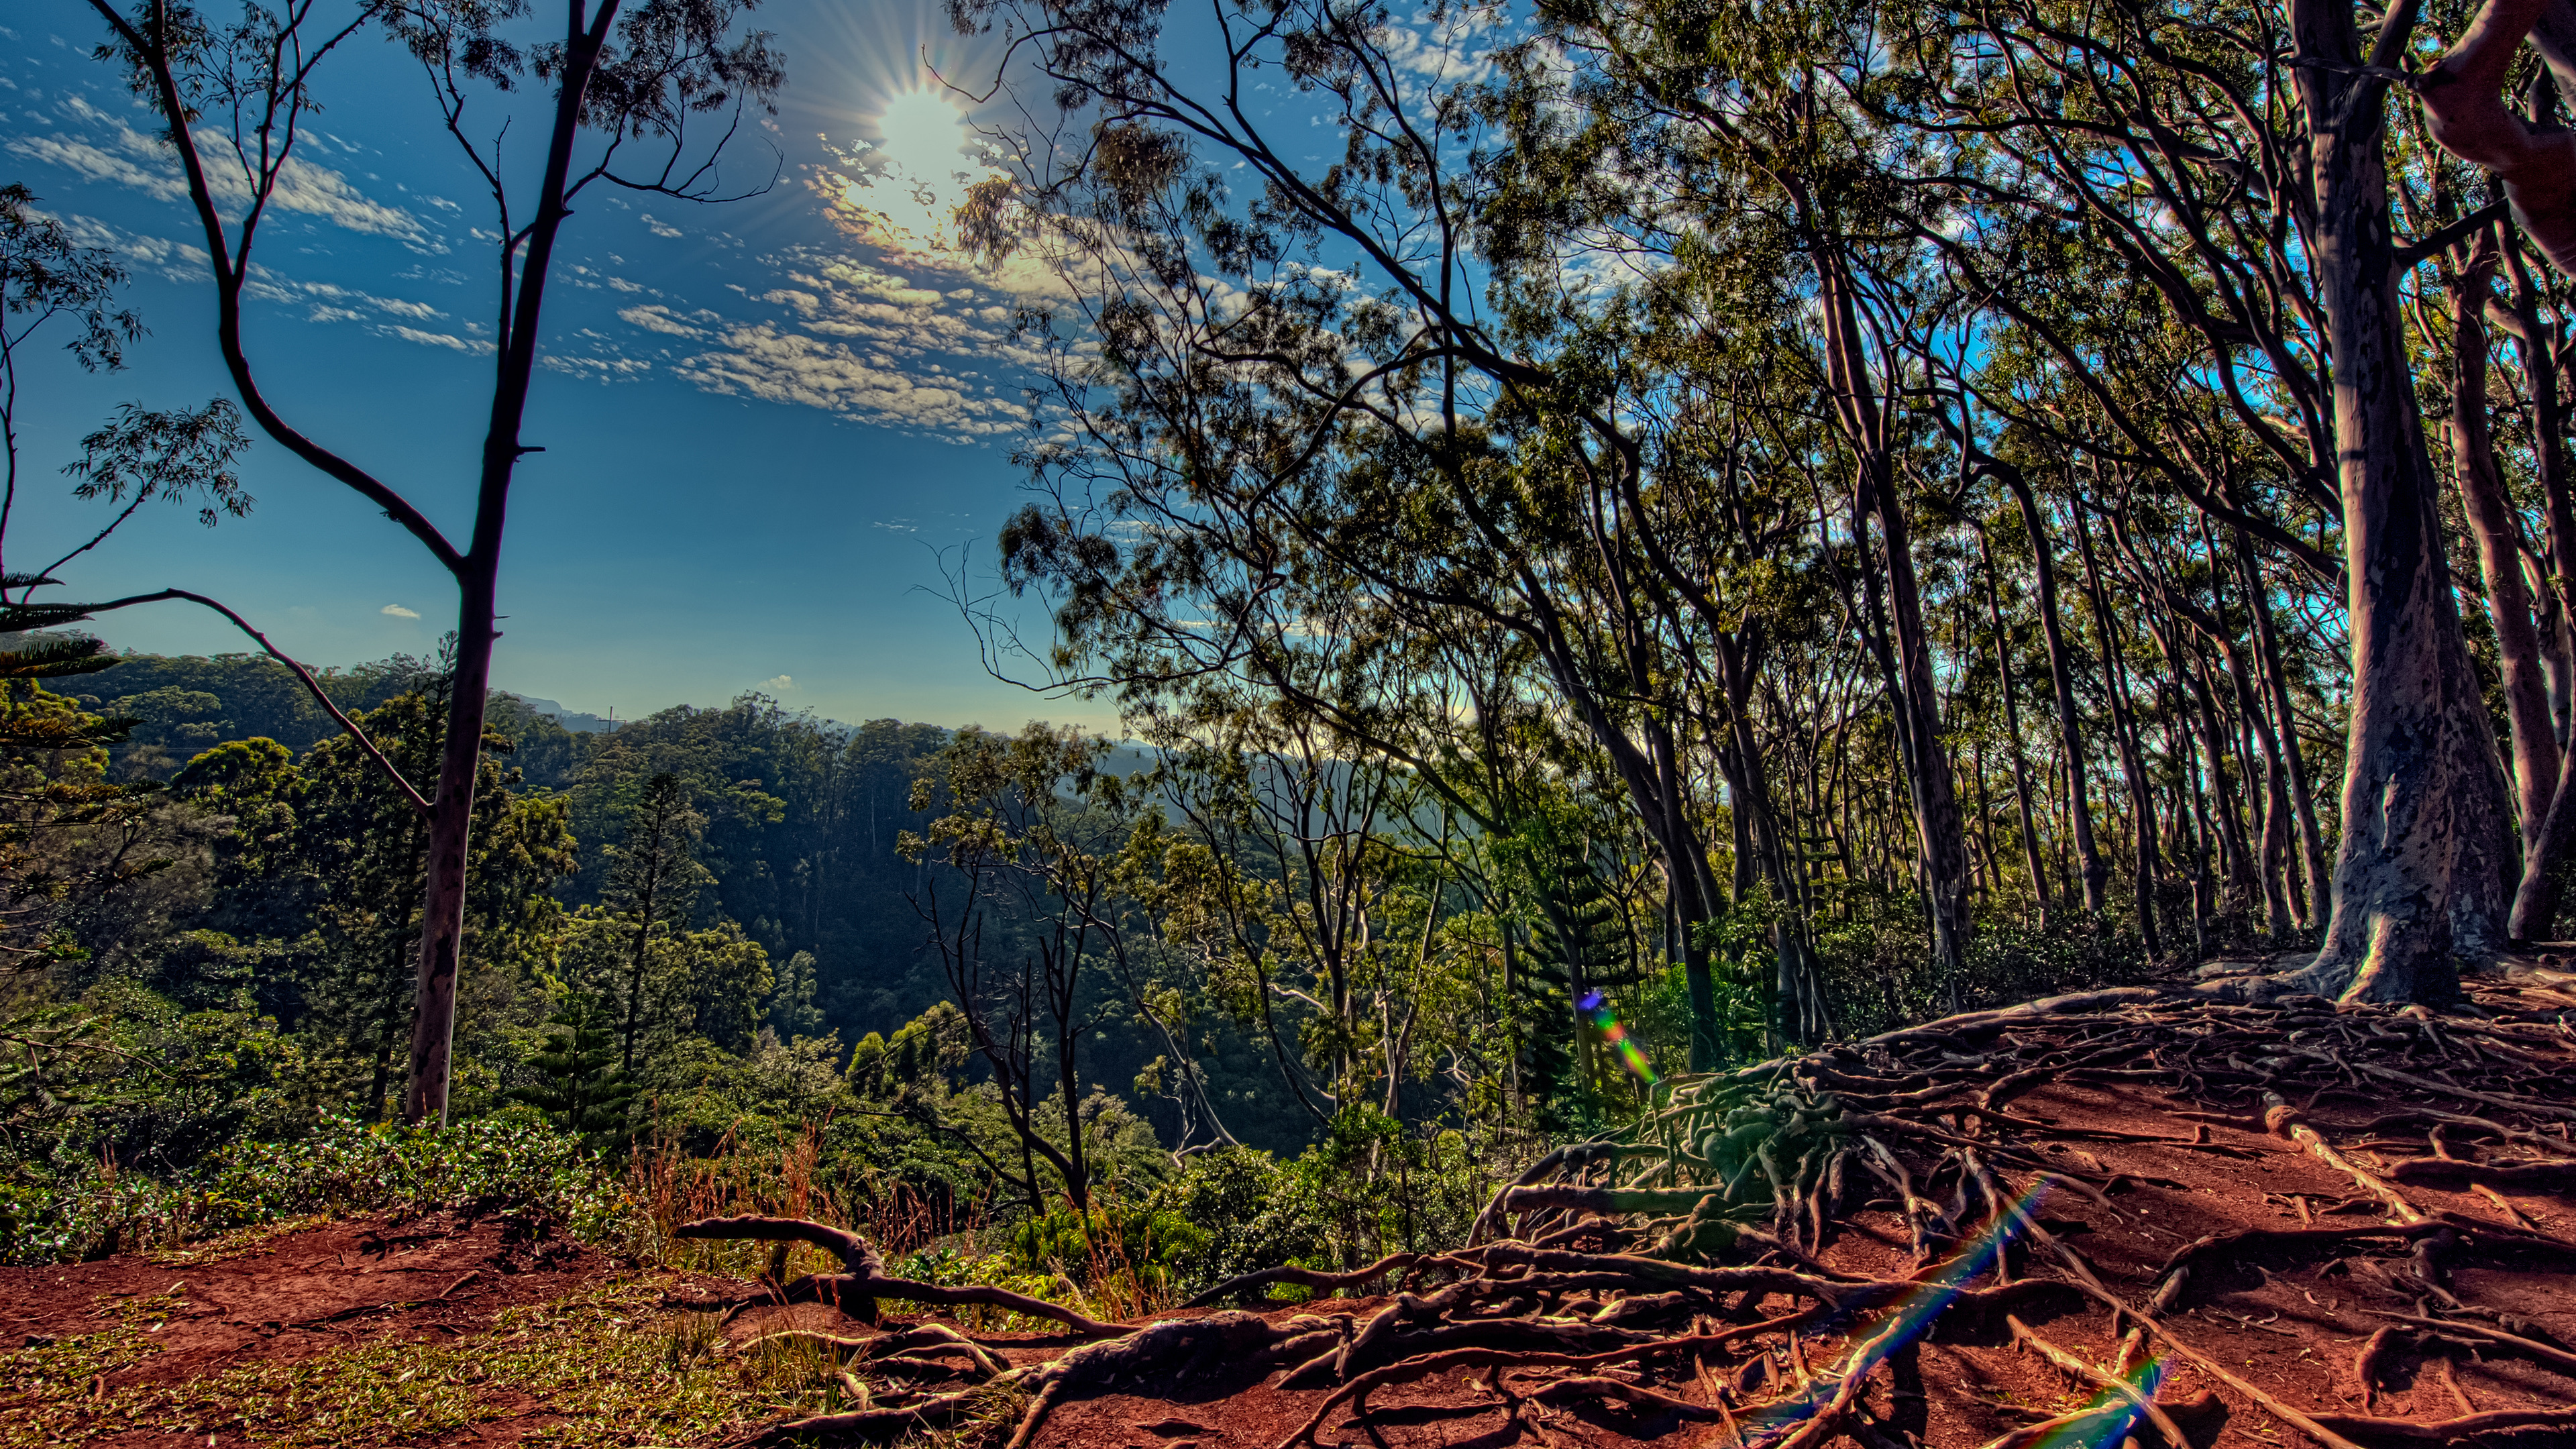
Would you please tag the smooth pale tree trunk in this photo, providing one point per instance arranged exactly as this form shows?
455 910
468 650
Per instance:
2115 688
2094 875
1942 851
1800 984
2547 851
2418 874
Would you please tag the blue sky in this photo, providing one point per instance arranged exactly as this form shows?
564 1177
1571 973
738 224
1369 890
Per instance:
765 421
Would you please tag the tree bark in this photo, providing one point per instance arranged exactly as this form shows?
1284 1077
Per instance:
2491 523
2115 689
442 931
2012 731
1942 847
2535 901
2310 902
2417 879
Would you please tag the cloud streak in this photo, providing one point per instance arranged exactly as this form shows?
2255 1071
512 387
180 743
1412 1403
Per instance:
853 338
105 148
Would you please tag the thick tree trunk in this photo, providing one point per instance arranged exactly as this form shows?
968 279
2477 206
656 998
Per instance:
2418 873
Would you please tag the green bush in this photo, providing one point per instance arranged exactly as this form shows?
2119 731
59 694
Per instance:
1152 1248
1250 1212
512 1162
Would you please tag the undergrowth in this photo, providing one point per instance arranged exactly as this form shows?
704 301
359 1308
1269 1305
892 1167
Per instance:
613 1364
510 1161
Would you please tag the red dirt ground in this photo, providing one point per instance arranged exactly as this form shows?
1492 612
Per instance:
2291 1320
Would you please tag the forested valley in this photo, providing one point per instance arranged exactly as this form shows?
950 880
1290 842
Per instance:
1745 639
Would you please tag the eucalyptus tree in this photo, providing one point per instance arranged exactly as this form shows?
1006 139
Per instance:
634 93
2237 163
1304 377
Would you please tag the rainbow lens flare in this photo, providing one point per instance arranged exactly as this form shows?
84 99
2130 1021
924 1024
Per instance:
1597 1007
1907 1319
2116 1413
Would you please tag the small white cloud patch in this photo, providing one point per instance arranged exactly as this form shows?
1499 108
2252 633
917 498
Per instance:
783 684
397 611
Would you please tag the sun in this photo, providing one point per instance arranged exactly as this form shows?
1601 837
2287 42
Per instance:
923 132
902 190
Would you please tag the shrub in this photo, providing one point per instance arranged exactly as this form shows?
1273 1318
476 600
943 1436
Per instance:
512 1162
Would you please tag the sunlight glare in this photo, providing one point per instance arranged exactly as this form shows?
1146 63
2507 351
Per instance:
916 172
924 133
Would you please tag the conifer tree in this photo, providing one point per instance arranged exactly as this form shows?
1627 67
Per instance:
580 1087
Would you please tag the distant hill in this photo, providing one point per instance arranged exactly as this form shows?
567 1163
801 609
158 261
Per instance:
572 720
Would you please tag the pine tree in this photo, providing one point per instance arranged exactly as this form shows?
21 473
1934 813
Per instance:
654 879
580 1088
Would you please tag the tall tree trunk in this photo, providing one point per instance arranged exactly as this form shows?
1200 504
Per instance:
2090 869
1942 853
2547 851
1801 984
2115 689
2418 872
2314 888
2491 523
2012 731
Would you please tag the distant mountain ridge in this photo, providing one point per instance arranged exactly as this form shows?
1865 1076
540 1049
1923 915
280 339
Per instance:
572 720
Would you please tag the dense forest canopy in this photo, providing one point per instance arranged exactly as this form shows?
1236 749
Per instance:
1698 529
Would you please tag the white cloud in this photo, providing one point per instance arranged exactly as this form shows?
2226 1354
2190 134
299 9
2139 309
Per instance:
397 611
469 345
114 152
781 684
660 228
852 337
658 318
765 361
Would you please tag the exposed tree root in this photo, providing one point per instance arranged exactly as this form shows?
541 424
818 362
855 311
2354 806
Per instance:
1716 1210
2467 1429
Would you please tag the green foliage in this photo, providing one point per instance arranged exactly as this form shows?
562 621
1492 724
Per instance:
792 1011
512 1162
1134 1246
579 1085
1251 1212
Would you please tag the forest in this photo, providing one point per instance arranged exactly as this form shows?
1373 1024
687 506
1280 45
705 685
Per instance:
1731 627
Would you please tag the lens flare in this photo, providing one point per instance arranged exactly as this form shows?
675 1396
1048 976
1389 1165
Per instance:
1595 1006
1908 1317
2118 1413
